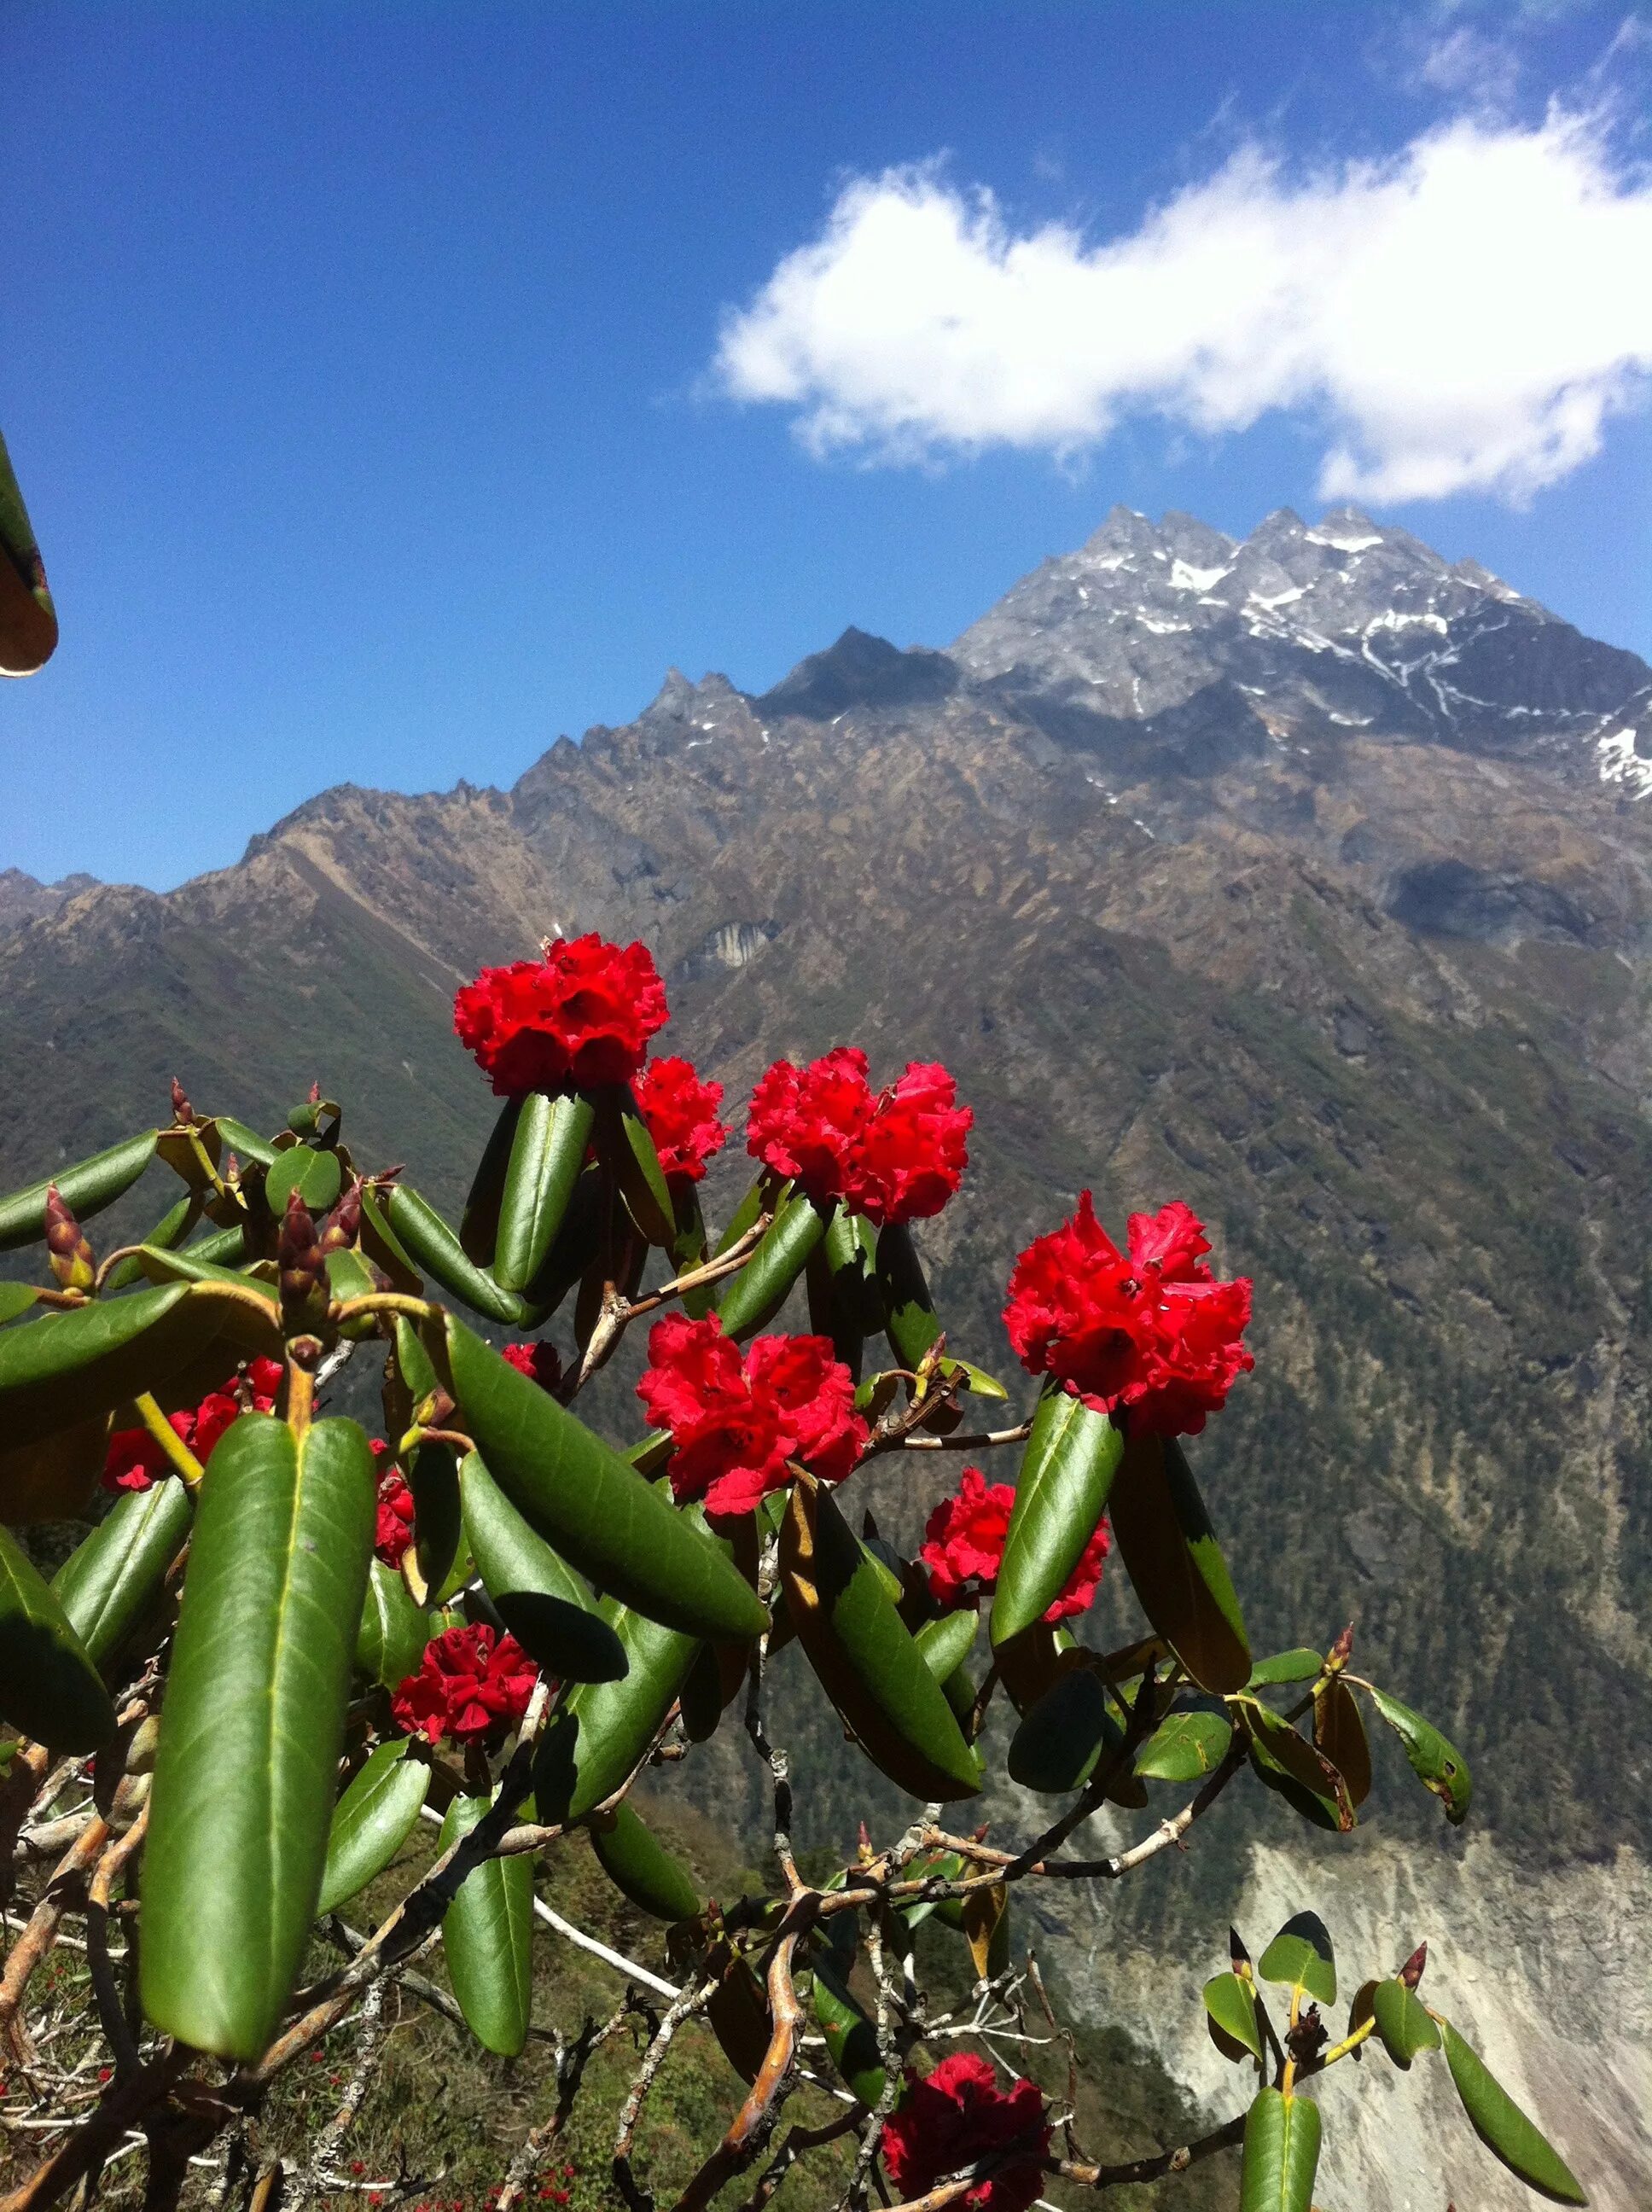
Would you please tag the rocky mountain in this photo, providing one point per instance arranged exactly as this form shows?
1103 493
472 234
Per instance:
1306 877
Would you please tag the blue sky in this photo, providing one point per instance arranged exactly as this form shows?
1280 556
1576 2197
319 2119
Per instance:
396 387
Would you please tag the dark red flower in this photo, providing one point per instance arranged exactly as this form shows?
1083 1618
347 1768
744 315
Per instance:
963 1548
583 1014
680 1113
1150 1331
394 1529
467 1686
959 2115
894 1155
735 1424
134 1460
540 1362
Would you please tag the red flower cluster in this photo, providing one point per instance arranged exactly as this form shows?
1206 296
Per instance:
680 1113
894 1155
467 1686
1152 1331
963 1548
540 1362
735 1424
583 1014
394 1530
135 1460
958 2115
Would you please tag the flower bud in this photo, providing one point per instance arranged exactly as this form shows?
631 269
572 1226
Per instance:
182 1112
1341 1651
303 1269
1411 1972
71 1254
344 1222
315 1094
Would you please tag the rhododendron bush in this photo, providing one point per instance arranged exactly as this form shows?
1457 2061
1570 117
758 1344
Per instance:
285 1639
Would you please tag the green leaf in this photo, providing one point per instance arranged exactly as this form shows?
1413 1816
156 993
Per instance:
844 1302
317 1176
1300 1956
487 1933
757 1294
252 1727
600 1514
17 1298
478 1225
640 1867
419 1231
349 1276
249 1148
851 2039
1436 1761
1175 1566
1291 1767
909 1315
1282 2154
1339 1737
864 1655
413 1360
67 1368
167 1233
48 1686
1403 2021
85 1188
189 1266
1503 2128
540 1598
599 1734
372 1821
108 1583
1061 1493
1298 1666
688 1245
431 1471
947 1643
1185 1748
394 1631
547 1155
1230 2008
28 620
1065 1736
624 1138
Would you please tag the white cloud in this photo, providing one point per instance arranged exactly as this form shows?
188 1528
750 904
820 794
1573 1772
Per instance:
1462 317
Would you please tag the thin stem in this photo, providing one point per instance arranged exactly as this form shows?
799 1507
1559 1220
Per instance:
180 1456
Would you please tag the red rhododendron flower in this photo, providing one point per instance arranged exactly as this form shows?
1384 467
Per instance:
468 1686
680 1113
735 1423
959 2114
583 1014
393 1531
134 1460
1150 1331
894 1155
540 1362
963 1548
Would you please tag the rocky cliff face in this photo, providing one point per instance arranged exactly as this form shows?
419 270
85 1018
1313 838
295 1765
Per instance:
1306 877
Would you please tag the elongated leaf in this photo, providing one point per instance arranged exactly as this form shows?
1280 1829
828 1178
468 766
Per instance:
393 1632
1231 2009
66 1368
1175 1566
947 1643
85 1188
624 1138
316 1176
844 1301
1505 2130
162 1266
432 1473
372 1821
547 1155
540 1598
1061 1493
1282 2154
599 1732
689 1244
1298 1666
757 1294
986 1917
1339 1737
1066 1734
1435 1759
419 1231
249 1148
478 1227
28 620
640 1867
487 1933
851 2039
1300 1956
349 1276
167 1233
597 1512
49 1687
1403 2021
864 1655
1184 1748
909 1315
1290 1765
108 1584
16 1298
250 1736
53 1479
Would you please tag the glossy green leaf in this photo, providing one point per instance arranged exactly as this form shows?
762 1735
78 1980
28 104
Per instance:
640 1867
1175 1566
317 1176
420 1232
1403 2021
947 1643
909 1315
1505 2130
1061 1491
349 1276
540 1598
1301 1957
85 1188
642 1180
1184 1748
1291 1767
844 1301
1065 1736
413 1358
66 1368
1230 2016
249 1148
864 1655
108 1583
49 1685
851 2039
1435 1759
393 1632
16 1298
161 1266
1298 1666
600 1732
756 1295
478 1226
1282 2154
167 1235
600 1514
372 1820
252 1727
487 1933
547 1155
